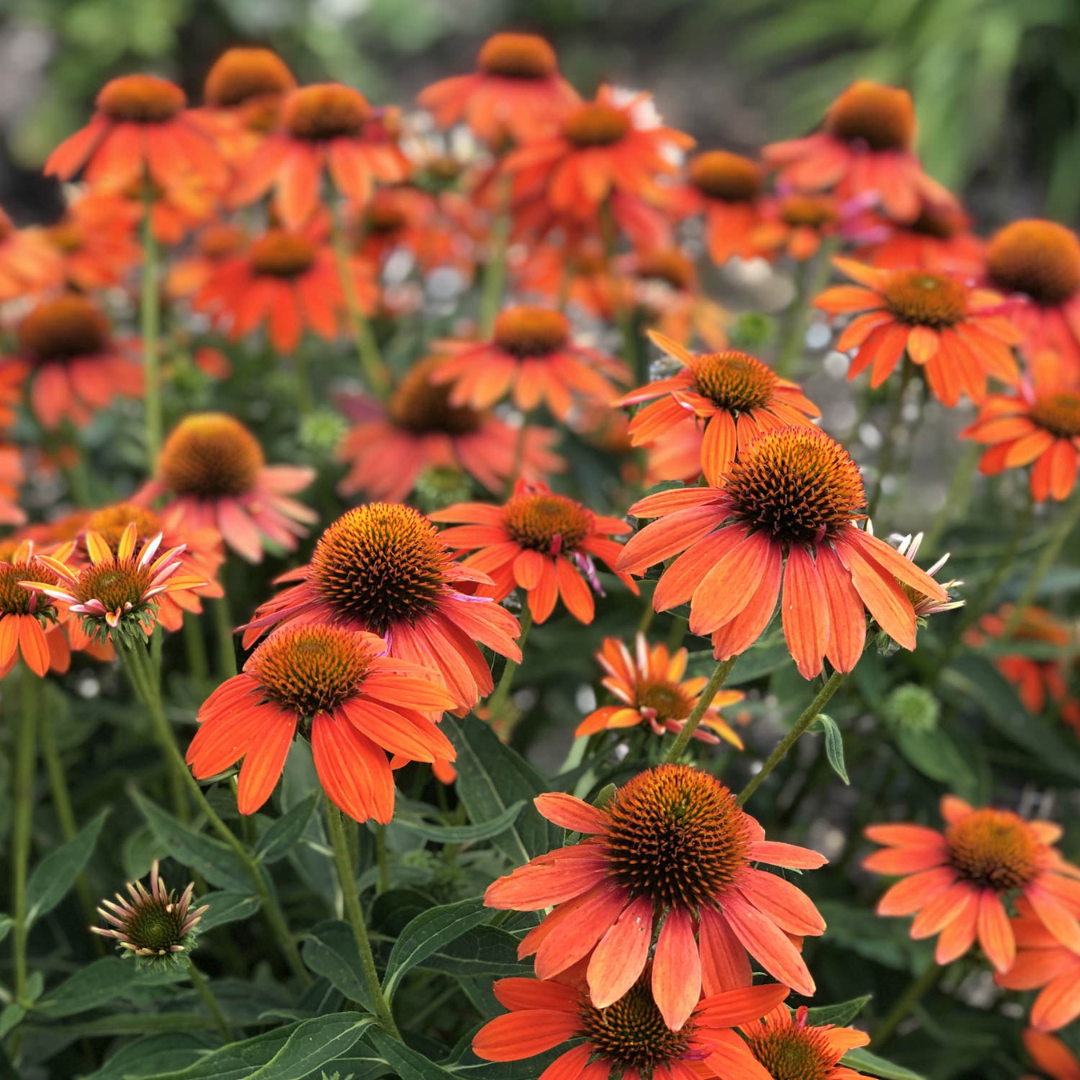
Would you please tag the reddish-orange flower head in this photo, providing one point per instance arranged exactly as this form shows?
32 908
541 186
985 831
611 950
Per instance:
671 844
725 187
732 395
788 1047
28 618
956 335
956 883
341 689
882 117
242 74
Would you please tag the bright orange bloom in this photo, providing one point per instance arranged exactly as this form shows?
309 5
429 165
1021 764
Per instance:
212 472
214 245
939 239
354 702
651 689
671 844
955 882
734 396
390 446
11 477
140 126
1039 426
786 1046
1037 265
795 223
29 621
540 541
532 358
725 188
322 130
580 270
66 345
384 568
864 147
95 248
629 1038
27 262
1043 963
1051 1056
956 335
174 211
516 91
785 514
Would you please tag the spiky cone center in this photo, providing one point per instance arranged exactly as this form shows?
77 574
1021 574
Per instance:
420 406
797 484
883 117
241 74
937 221
384 214
152 925
210 456
546 522
1058 413
669 265
531 331
111 522
919 298
733 380
517 56
63 328
141 99
220 241
311 669
119 586
676 835
631 1032
809 211
380 564
66 236
1039 258
282 254
723 175
666 700
14 599
595 124
994 849
793 1051
325 111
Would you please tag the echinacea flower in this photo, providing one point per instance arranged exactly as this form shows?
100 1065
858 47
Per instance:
956 882
532 358
12 475
672 844
29 621
1042 963
1038 426
516 91
956 335
541 541
1051 1056
732 395
340 688
785 514
140 127
384 568
864 147
795 224
939 239
213 246
28 264
725 188
924 605
650 689
93 249
628 1039
212 470
65 345
389 446
152 925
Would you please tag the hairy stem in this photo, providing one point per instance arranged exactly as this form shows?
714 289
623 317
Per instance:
712 687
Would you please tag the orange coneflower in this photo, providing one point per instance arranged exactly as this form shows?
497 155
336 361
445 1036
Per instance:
214 245
734 396
673 845
955 883
95 247
12 475
389 446
28 263
786 513
652 690
384 568
29 622
1051 1056
939 239
796 223
212 472
532 358
516 91
864 147
956 335
140 127
539 540
353 701
66 345
322 128
626 1040
576 271
725 188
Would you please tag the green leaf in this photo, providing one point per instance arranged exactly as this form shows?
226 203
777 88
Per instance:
482 951
427 932
225 907
330 950
6 923
150 1056
757 662
89 988
834 744
279 838
409 1064
935 755
218 863
56 873
863 1061
462 834
142 1023
286 1053
840 1014
10 1018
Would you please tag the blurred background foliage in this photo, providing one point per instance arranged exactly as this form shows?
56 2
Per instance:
996 82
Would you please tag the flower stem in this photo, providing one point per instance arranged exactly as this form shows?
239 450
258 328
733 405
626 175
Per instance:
202 987
712 687
381 857
347 878
809 715
223 626
22 816
150 319
195 646
957 497
491 292
497 702
892 428
809 281
915 992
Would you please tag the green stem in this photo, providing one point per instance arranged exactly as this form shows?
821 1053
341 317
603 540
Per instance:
381 857
712 687
956 499
809 281
636 358
915 992
892 427
203 989
305 399
22 817
491 292
150 316
224 629
497 702
351 898
195 646
809 715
